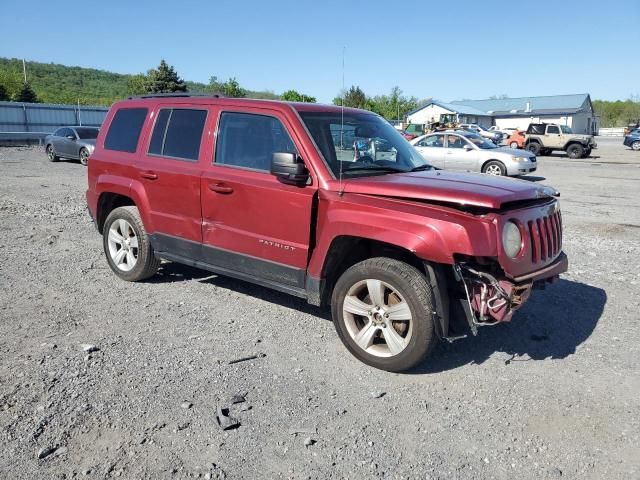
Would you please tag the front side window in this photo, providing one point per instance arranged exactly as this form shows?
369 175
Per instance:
565 129
360 144
553 130
178 133
481 142
248 140
64 132
125 129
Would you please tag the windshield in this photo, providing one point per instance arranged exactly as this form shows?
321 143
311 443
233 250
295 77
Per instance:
565 129
361 144
87 133
481 142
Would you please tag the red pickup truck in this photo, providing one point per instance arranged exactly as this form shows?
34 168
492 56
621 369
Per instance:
329 204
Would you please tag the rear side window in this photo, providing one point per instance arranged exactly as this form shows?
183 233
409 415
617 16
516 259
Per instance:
249 141
178 133
125 129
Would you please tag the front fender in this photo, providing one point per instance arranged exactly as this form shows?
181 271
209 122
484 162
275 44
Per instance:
432 233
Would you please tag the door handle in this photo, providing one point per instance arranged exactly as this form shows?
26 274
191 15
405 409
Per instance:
149 175
220 188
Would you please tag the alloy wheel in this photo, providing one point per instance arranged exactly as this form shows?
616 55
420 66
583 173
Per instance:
493 170
123 245
377 318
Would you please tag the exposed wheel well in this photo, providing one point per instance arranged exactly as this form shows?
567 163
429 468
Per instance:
346 251
491 160
107 203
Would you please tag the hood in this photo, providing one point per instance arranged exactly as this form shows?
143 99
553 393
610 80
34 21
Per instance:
513 151
473 189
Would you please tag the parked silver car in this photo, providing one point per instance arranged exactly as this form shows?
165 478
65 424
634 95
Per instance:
470 152
71 142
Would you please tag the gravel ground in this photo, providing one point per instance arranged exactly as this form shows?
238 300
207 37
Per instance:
552 394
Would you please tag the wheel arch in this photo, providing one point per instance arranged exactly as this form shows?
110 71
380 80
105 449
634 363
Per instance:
484 164
120 192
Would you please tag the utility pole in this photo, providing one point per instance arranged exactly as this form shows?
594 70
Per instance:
24 70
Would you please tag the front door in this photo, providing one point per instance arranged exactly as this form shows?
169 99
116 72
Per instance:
253 224
170 171
553 137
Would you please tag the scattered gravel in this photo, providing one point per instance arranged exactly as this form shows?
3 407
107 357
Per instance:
553 394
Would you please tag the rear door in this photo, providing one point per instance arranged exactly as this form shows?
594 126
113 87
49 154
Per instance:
252 223
169 169
431 148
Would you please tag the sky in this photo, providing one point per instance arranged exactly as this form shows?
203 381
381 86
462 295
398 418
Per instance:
446 50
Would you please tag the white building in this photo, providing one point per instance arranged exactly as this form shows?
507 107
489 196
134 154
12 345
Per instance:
575 111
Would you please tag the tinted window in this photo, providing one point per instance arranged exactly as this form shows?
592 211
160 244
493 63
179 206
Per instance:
249 141
63 132
553 130
178 133
87 133
124 130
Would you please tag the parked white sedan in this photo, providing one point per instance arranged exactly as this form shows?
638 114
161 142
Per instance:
469 152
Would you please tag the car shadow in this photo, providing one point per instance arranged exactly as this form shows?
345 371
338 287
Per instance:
551 325
532 178
176 272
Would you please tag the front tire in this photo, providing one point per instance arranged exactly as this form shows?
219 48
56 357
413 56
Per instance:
575 151
383 313
84 156
51 154
514 145
494 167
127 246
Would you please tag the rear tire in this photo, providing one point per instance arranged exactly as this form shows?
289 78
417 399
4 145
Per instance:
494 167
127 246
383 313
575 150
51 154
514 145
534 147
636 146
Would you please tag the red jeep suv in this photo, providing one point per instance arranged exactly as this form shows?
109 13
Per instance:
331 205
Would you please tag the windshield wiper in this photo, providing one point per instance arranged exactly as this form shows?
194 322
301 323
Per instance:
421 168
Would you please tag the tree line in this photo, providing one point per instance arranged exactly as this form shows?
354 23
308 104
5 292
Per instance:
53 83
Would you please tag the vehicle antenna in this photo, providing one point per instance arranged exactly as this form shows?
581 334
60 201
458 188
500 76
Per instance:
340 190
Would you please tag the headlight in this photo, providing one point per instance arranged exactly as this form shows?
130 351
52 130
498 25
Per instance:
521 159
511 239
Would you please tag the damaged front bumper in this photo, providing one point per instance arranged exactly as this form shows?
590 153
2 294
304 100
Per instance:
494 299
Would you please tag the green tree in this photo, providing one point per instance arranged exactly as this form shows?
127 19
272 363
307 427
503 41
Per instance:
164 79
27 94
4 96
138 84
294 96
354 97
231 88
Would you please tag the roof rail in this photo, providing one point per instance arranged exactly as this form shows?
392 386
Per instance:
176 94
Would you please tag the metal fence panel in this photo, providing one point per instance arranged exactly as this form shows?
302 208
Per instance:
17 119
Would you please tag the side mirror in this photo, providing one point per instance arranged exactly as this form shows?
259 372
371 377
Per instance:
288 168
71 137
468 147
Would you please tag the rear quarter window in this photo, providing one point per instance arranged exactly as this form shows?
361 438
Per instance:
125 129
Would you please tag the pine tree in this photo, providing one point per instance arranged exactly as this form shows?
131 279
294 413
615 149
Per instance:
27 94
4 96
165 80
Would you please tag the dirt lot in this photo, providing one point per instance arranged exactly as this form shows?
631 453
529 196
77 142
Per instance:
553 394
